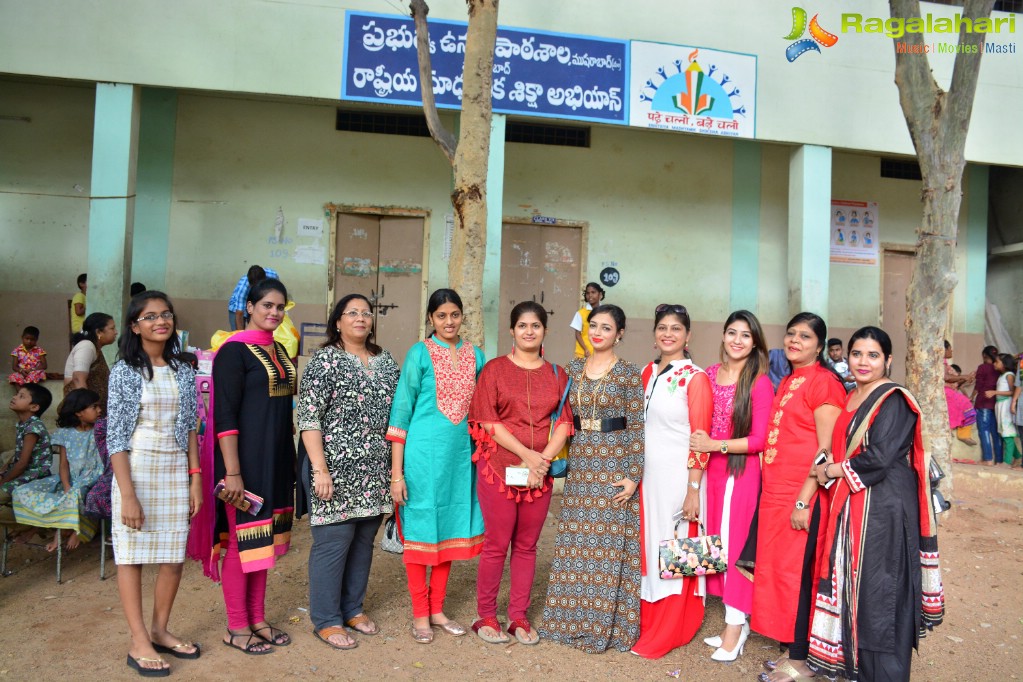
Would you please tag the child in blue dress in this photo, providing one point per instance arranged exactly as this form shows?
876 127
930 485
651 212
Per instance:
57 501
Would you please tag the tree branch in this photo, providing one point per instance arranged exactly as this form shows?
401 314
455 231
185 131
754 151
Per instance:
967 65
444 139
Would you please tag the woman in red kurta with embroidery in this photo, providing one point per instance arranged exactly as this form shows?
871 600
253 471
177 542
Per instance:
510 419
802 419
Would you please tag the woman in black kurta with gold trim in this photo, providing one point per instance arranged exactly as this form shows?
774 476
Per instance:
253 385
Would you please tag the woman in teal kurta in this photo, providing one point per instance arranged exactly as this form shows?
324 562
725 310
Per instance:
432 477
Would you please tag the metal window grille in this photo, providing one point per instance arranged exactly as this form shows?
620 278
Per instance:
536 133
382 123
901 170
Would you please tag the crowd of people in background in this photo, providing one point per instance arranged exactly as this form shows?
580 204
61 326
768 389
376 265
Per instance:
805 464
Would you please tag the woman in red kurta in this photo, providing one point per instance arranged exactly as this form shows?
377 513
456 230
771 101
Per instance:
802 418
510 419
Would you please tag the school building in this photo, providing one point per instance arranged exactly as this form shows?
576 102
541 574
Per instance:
723 156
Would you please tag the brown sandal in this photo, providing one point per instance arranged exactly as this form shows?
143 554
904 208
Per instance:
362 619
325 634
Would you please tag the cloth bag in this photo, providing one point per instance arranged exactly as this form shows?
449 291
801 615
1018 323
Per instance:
559 465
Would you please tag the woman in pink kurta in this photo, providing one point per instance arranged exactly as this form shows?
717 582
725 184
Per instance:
742 407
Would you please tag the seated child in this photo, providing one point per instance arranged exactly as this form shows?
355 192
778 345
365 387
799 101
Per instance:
58 501
28 360
32 444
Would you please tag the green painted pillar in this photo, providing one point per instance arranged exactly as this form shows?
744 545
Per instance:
112 201
976 247
154 186
745 225
495 219
809 252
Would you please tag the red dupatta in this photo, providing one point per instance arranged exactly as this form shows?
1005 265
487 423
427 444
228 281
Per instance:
837 602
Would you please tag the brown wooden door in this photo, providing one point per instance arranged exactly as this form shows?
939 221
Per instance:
381 257
897 268
542 263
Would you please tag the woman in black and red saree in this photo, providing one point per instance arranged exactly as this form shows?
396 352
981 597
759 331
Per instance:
880 584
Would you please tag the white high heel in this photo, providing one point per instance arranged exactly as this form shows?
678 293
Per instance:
713 642
723 656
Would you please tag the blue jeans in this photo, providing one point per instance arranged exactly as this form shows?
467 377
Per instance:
339 563
231 323
987 432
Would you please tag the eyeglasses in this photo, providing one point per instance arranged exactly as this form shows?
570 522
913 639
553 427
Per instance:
671 308
355 314
153 317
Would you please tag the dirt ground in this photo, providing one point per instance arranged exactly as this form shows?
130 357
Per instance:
76 630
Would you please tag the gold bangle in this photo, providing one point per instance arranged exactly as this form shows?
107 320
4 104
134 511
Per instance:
321 471
397 480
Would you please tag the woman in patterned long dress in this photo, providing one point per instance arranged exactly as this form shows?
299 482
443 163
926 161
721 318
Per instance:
677 400
344 402
593 596
433 481
254 382
155 460
510 418
742 408
791 503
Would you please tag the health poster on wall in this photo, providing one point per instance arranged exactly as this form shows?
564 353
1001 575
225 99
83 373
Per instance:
854 232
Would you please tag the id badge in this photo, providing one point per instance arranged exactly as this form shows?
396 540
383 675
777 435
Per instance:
518 476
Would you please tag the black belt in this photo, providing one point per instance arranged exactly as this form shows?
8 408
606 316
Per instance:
601 425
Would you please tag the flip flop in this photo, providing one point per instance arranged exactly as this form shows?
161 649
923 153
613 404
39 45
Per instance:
136 665
492 623
522 624
362 619
325 634
787 668
249 644
176 650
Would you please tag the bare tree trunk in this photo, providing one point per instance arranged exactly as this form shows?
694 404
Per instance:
470 156
938 122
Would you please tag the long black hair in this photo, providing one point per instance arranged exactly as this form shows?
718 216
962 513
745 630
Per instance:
334 334
129 346
756 364
91 327
74 402
260 289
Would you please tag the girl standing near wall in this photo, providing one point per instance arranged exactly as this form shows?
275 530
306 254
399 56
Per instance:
677 401
593 594
742 407
157 486
510 420
254 383
432 477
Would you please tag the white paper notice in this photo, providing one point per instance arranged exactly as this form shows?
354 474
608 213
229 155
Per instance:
310 227
313 255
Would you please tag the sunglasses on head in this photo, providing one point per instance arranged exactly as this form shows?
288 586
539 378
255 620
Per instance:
672 308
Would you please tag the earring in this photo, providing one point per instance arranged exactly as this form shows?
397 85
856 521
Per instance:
616 341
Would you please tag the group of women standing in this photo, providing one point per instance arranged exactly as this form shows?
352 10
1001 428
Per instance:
711 451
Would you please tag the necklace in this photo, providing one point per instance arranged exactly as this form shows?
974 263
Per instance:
593 424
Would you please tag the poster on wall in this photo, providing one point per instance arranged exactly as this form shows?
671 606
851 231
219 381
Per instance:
537 73
854 232
692 89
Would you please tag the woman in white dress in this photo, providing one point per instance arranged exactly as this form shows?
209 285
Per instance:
678 400
157 486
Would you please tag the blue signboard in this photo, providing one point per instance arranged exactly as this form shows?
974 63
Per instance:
536 73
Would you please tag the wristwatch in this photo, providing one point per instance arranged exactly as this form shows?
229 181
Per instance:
694 485
800 505
724 447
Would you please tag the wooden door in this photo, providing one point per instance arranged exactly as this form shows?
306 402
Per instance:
897 268
542 263
381 257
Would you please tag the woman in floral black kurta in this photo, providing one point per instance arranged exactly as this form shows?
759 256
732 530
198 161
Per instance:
343 408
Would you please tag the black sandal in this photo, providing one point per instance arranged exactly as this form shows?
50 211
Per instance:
275 635
249 647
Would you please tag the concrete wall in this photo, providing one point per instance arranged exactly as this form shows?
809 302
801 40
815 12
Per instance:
843 98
